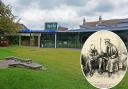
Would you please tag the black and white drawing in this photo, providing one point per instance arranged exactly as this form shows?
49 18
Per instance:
103 59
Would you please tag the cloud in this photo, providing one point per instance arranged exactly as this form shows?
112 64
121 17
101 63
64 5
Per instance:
104 6
49 4
35 13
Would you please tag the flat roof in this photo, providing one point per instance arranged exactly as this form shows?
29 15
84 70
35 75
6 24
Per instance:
74 30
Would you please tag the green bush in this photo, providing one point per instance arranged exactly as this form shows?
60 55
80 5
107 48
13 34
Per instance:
13 40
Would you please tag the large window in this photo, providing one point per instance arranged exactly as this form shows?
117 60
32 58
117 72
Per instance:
48 40
68 40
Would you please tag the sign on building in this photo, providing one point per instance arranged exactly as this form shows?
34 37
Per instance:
51 26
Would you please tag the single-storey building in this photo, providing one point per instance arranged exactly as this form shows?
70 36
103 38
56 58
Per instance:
73 38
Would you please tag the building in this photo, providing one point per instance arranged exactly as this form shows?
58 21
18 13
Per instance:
74 38
60 28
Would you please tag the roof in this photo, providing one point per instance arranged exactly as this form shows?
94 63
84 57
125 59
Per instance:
35 31
111 25
75 30
111 22
21 25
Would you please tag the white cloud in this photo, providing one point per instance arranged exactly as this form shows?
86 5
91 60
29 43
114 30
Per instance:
35 13
12 2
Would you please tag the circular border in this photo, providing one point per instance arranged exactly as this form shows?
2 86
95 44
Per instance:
82 67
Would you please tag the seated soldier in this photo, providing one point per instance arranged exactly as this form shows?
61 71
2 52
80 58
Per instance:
112 57
92 60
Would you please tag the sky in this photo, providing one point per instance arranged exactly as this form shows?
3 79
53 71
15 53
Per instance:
68 13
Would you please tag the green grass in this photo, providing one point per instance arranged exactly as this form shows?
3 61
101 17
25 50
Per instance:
63 70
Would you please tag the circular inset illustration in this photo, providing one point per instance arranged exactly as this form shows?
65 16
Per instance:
104 59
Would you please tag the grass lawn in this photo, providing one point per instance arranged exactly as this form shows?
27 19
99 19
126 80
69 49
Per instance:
63 70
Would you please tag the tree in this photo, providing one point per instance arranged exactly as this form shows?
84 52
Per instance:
7 24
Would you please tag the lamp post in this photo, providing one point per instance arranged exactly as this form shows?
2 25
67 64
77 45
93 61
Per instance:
55 39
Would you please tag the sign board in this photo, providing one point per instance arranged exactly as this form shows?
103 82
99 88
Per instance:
51 26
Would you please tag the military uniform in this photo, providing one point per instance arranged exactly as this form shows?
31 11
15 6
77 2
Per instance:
91 62
112 57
